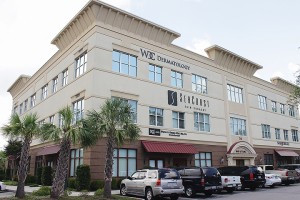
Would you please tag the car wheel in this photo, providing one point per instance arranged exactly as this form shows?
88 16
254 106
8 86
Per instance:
189 191
208 193
272 186
149 194
230 190
123 190
174 197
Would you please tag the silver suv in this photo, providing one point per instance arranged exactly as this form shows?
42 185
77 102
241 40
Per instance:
151 183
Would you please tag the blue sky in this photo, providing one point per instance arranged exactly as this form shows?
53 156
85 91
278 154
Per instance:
265 32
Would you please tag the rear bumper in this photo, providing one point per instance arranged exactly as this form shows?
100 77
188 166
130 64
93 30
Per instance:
236 186
213 188
167 192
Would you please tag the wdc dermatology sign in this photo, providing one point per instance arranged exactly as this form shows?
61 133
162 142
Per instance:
155 56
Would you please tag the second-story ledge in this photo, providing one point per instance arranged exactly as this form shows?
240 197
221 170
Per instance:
231 61
18 84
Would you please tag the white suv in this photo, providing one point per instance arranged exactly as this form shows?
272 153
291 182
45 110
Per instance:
150 183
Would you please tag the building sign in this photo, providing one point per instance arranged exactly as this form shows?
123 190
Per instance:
189 101
154 131
155 56
174 133
283 143
242 150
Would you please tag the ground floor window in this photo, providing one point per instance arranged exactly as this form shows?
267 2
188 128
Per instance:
203 159
268 159
76 160
38 163
124 162
156 163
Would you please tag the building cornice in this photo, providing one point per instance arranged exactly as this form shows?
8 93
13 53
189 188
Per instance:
18 84
283 84
98 13
231 61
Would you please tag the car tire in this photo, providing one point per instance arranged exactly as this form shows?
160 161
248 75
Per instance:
230 190
189 191
208 193
123 190
149 194
174 197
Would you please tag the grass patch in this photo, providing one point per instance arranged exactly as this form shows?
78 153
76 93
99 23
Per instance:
13 183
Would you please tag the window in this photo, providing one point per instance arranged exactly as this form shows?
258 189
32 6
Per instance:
199 84
133 106
15 109
201 122
178 119
124 162
60 120
274 106
25 105
286 135
32 100
156 116
51 119
176 79
76 160
124 63
54 84
234 93
262 102
80 66
238 126
78 109
38 163
282 108
268 159
155 73
277 134
65 75
156 163
295 135
265 131
21 108
44 92
203 159
291 111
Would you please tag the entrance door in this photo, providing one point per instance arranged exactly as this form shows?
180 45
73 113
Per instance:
240 163
179 162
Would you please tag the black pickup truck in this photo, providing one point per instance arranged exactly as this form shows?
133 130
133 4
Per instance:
205 180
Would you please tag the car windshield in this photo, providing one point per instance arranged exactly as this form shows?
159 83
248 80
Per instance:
210 171
168 174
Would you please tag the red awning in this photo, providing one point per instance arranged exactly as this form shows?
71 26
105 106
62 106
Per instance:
48 150
286 153
168 147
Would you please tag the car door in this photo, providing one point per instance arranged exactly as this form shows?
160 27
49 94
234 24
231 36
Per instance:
131 183
140 183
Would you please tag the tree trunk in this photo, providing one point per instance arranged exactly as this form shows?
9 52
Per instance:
61 169
108 167
22 169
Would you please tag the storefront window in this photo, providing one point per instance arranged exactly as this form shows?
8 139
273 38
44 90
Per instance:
124 162
269 159
76 160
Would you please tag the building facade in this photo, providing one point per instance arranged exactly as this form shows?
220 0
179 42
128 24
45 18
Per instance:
192 110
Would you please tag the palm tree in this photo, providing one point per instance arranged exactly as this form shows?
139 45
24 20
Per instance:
25 129
114 122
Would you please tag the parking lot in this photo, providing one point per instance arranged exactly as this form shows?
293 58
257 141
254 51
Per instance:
278 193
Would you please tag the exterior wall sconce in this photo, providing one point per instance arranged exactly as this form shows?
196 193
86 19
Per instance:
222 160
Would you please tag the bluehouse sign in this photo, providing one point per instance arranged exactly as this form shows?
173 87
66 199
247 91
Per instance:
154 56
189 101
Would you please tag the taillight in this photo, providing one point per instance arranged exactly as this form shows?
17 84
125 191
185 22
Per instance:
226 180
251 176
158 182
286 173
202 182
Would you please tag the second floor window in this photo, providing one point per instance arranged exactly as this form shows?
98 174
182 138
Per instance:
291 110
156 116
238 126
199 84
54 84
155 73
201 122
51 119
44 92
274 106
178 119
234 93
295 135
265 131
65 75
124 63
25 105
262 102
80 67
32 100
282 108
176 79
277 134
286 135
21 108
78 109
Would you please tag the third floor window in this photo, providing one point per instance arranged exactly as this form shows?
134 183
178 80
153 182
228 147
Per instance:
262 102
176 79
124 63
44 92
274 106
199 84
234 93
80 67
282 108
155 73
54 84
291 110
65 75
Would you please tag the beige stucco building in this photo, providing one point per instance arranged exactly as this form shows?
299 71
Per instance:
192 110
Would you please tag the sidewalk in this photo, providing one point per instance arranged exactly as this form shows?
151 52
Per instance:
74 193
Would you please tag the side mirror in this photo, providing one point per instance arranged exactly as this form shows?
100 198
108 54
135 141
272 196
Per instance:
129 177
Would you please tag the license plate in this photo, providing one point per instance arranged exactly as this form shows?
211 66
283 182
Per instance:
230 185
259 176
172 184
213 187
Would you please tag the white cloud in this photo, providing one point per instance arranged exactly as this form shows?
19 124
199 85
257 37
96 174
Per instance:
198 46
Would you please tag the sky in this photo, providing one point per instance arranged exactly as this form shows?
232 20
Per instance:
266 32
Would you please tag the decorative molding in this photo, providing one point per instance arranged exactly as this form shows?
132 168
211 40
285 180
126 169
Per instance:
18 85
283 84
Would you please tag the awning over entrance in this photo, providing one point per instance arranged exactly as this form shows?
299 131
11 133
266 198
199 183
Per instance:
168 147
48 150
286 152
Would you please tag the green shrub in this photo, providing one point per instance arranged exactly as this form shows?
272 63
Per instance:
72 183
30 179
43 191
9 182
99 192
47 176
96 184
114 184
39 175
83 177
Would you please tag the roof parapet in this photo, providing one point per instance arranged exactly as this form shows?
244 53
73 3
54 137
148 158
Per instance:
283 84
18 84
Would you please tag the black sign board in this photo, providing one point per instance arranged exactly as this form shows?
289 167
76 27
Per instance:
154 131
